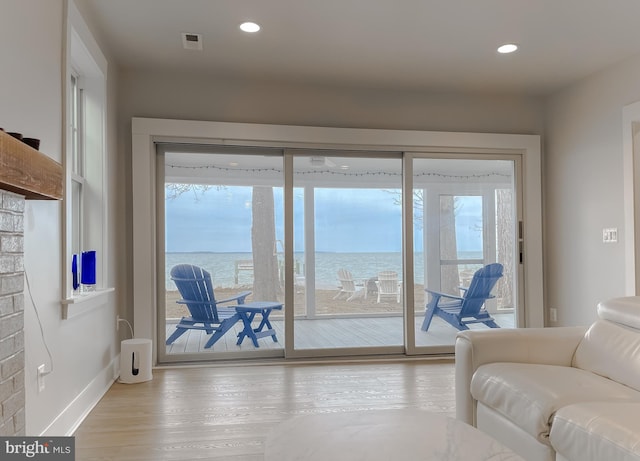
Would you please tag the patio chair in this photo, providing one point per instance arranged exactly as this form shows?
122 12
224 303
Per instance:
459 311
348 286
388 285
194 285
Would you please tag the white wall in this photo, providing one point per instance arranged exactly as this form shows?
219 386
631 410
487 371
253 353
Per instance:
584 191
200 97
83 348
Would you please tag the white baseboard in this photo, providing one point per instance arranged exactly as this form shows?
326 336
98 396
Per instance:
72 416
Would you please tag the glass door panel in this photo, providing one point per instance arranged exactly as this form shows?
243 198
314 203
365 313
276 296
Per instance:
222 217
348 237
464 219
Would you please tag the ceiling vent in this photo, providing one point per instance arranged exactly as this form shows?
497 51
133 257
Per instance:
191 41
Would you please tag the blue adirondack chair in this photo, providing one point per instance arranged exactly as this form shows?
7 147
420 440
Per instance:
194 285
460 311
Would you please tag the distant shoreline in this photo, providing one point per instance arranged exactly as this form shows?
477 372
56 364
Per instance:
363 266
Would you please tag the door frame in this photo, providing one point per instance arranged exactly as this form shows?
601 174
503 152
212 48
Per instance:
146 132
631 181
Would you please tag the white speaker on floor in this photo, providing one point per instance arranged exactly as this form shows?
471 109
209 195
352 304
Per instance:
135 361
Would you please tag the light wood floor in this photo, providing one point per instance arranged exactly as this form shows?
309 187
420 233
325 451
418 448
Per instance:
225 412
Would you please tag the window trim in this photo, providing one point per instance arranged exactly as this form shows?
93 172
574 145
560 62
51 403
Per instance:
86 63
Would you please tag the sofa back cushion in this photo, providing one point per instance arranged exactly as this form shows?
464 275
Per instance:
611 350
625 311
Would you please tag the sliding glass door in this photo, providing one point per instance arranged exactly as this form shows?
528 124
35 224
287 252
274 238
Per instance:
335 239
347 226
223 214
465 218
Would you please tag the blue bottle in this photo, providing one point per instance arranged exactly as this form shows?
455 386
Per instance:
74 272
88 266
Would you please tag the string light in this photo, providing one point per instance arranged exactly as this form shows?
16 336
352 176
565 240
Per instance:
341 172
223 168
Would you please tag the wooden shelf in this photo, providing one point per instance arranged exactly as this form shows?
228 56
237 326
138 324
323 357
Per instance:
28 172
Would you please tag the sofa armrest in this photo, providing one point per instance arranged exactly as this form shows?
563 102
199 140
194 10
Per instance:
549 346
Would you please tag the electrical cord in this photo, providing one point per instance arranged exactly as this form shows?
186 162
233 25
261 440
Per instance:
128 324
35 308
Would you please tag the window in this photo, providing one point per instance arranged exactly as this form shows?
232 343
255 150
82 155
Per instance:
76 163
85 166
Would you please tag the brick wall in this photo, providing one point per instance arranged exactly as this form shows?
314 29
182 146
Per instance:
12 392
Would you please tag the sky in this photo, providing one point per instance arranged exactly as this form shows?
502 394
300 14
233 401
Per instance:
346 220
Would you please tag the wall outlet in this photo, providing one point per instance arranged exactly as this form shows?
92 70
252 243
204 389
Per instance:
41 378
610 235
553 314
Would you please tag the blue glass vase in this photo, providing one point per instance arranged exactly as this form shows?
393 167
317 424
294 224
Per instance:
88 265
74 272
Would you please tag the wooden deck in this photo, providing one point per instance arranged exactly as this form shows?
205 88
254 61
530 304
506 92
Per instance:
328 333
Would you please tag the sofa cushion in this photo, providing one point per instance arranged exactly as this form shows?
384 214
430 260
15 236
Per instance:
611 350
598 430
530 394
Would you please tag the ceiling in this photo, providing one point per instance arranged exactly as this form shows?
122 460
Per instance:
425 45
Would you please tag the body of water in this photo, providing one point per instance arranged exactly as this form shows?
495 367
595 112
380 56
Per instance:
361 265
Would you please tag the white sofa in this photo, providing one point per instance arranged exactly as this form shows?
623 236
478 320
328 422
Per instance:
556 394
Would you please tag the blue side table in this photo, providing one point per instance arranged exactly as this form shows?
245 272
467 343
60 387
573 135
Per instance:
248 312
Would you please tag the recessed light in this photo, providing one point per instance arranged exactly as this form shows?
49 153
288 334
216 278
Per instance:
233 164
250 27
507 48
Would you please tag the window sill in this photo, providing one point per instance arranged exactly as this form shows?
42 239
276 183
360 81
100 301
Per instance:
83 303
